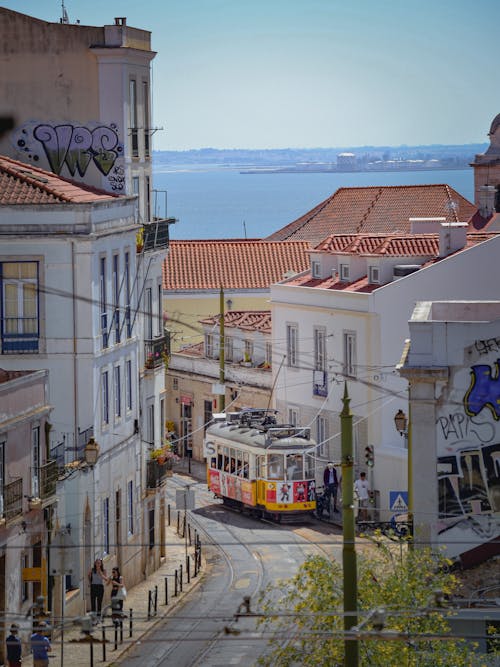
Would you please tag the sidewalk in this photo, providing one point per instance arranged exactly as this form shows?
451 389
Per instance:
77 653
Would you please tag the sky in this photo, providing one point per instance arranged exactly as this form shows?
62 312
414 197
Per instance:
310 73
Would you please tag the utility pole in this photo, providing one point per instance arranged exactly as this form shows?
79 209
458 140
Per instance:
222 377
350 573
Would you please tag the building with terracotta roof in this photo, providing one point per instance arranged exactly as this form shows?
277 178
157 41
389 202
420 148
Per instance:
194 382
346 319
79 300
195 271
79 97
376 210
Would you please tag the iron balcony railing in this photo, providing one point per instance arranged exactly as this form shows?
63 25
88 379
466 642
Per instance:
48 479
156 351
20 335
156 234
13 499
156 473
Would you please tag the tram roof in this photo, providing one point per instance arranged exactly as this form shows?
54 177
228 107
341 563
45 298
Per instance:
274 438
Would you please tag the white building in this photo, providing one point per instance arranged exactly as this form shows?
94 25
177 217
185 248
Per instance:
79 301
452 364
347 319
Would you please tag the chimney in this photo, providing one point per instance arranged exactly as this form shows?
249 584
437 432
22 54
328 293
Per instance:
425 225
486 200
120 20
452 237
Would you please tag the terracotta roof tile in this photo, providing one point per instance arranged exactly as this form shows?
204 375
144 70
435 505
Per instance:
376 210
22 184
231 264
412 246
247 320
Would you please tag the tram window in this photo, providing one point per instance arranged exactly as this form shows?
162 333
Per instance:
294 466
239 466
245 465
275 466
226 459
309 465
261 467
219 460
213 462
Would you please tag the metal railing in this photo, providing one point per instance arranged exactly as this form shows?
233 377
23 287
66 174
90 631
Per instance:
20 335
48 479
155 351
320 383
13 498
156 473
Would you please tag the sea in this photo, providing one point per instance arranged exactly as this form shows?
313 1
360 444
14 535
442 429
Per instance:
218 203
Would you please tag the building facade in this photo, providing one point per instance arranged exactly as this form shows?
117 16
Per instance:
452 365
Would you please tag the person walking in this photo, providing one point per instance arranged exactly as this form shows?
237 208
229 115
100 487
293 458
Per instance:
97 577
14 647
362 491
331 482
40 646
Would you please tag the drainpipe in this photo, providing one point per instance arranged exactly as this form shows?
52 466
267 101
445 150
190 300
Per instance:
222 377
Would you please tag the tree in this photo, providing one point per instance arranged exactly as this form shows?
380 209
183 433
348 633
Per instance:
304 614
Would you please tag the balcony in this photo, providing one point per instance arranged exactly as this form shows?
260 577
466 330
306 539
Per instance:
320 383
20 335
156 473
48 480
156 234
13 499
156 352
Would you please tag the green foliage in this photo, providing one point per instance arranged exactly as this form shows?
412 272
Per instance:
304 614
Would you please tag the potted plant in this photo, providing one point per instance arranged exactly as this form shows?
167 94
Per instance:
247 359
139 240
159 455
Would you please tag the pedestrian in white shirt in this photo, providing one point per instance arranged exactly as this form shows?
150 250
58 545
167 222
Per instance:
362 491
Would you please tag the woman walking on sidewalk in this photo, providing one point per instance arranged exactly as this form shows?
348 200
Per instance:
117 588
97 577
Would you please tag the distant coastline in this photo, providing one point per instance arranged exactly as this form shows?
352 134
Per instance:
318 169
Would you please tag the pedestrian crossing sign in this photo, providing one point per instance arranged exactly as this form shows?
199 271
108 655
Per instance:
398 501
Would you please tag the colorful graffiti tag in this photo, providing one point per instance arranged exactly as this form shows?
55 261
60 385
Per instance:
72 146
469 453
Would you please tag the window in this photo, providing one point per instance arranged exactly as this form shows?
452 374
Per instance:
293 416
374 274
20 316
145 107
128 319
321 435
319 336
228 348
344 272
116 298
269 353
148 198
151 424
248 350
133 118
160 311
102 301
151 531
2 476
350 353
207 414
128 384
148 313
162 419
130 507
316 269
292 334
136 191
35 462
209 346
105 398
25 562
117 391
105 525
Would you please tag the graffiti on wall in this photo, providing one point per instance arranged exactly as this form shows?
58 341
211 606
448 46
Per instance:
73 147
468 437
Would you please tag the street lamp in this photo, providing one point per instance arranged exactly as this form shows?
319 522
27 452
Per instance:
91 452
402 424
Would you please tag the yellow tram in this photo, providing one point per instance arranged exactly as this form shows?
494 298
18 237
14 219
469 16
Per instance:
258 465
